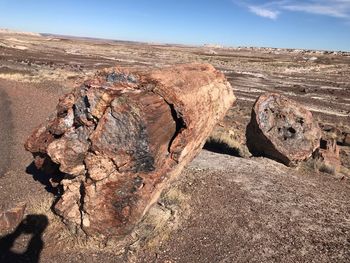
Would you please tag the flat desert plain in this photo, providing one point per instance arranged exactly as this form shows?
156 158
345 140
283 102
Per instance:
227 206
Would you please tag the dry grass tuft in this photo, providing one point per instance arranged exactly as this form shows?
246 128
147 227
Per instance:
226 142
319 165
40 76
345 171
43 206
326 169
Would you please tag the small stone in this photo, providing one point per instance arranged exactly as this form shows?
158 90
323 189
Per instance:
347 139
11 218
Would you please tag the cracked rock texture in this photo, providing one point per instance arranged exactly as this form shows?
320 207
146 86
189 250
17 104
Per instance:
120 137
282 129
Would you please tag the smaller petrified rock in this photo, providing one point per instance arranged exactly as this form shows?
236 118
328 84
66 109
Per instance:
282 129
11 218
327 157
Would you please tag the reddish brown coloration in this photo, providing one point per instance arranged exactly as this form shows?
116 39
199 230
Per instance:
123 135
282 129
327 157
11 218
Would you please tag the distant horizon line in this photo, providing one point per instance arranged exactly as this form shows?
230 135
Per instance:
212 45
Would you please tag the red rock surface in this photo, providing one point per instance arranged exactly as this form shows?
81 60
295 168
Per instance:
282 129
11 218
122 136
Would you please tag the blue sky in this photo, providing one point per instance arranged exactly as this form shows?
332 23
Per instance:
314 24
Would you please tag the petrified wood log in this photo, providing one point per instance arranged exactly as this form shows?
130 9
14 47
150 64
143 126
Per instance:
121 136
282 129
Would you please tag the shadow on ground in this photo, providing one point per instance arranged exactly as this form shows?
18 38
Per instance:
220 147
49 180
33 225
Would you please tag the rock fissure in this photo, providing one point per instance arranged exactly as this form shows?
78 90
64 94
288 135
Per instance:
81 205
180 124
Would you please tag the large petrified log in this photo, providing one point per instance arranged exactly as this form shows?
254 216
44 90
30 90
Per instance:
121 136
282 129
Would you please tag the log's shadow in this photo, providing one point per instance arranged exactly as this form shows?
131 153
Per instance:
32 224
49 179
221 147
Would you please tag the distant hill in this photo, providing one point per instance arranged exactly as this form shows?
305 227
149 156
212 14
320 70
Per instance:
10 31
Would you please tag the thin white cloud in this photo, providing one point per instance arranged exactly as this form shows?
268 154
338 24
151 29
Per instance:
328 10
263 12
273 9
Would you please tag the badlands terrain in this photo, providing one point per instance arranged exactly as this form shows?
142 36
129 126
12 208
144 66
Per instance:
227 206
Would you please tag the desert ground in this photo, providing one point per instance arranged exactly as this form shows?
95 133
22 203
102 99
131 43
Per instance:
227 206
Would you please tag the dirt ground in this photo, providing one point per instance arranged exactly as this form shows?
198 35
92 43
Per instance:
223 208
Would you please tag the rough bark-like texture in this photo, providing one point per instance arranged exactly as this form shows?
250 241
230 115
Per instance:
282 129
11 218
123 135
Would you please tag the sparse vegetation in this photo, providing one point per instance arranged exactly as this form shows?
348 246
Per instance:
225 142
